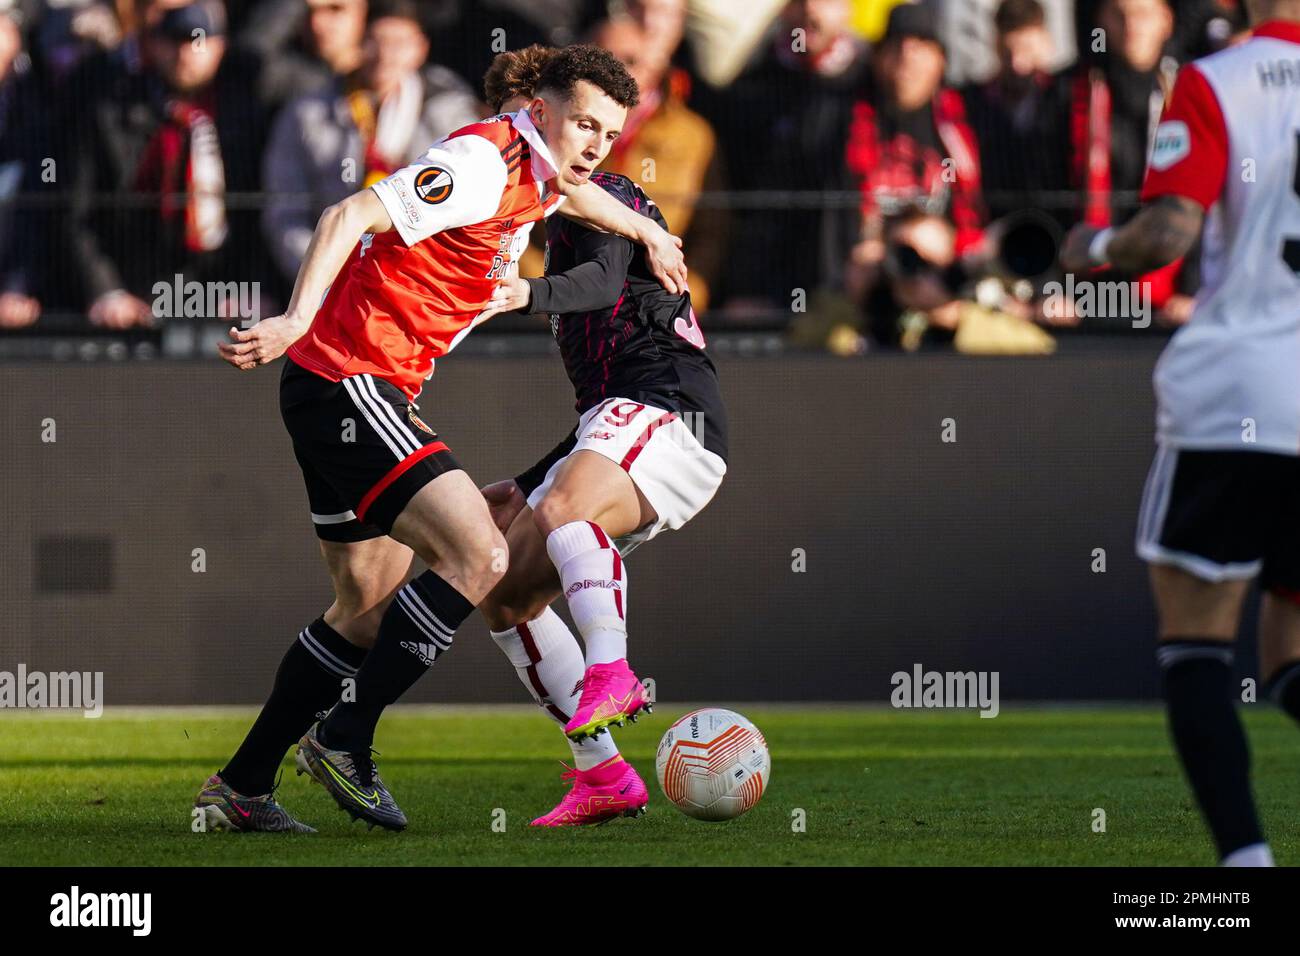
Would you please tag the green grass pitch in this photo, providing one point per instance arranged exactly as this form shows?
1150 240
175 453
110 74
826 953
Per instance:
875 787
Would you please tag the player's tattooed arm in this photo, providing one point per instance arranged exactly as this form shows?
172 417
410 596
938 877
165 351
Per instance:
1162 231
336 235
594 208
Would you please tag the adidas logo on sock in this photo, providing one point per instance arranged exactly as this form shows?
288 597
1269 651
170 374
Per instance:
427 653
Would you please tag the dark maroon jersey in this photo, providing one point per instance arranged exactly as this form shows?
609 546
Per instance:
621 334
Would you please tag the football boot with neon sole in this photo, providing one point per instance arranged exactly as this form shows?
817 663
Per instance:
609 790
611 696
352 779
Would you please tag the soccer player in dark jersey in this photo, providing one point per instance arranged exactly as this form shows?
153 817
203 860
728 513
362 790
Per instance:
648 453
394 277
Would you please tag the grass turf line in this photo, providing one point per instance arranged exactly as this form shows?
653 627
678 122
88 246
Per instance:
878 787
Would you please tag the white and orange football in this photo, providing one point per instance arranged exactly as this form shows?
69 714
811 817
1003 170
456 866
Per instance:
713 764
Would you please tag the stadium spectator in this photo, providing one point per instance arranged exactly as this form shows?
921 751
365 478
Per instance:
466 35
154 152
871 16
910 144
784 128
924 300
1202 27
1020 116
723 35
326 145
815 117
303 45
1116 100
669 150
968 31
664 26
21 133
916 304
1115 104
66 34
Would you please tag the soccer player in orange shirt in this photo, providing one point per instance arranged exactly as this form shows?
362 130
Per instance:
401 272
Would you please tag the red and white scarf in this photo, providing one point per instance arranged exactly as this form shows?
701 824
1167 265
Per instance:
189 134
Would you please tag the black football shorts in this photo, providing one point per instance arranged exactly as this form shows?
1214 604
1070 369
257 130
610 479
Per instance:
1224 515
363 451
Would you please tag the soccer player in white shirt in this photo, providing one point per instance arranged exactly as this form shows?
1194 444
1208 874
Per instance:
1222 502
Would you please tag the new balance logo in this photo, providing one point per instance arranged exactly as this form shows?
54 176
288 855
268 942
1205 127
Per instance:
427 653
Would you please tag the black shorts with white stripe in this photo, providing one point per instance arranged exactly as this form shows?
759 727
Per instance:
363 451
1224 515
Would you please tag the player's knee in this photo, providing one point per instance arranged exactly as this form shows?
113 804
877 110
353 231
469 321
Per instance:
479 563
506 611
356 621
553 511
496 615
496 561
363 631
355 594
365 626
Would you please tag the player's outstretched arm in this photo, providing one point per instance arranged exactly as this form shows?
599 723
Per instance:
594 208
336 235
1162 231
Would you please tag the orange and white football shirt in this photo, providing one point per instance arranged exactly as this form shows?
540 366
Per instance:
461 216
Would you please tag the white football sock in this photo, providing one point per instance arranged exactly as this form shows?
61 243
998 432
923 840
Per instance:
1257 854
595 586
549 661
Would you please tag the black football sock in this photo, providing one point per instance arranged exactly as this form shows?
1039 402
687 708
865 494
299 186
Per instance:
1209 738
306 684
1284 689
416 629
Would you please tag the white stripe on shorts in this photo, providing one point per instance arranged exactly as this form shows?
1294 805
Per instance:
1151 525
387 411
1155 497
340 518
362 400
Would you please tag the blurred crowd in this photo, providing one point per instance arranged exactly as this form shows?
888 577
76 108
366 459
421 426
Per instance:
863 173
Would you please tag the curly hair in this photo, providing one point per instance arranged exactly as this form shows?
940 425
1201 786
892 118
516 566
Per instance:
599 67
515 73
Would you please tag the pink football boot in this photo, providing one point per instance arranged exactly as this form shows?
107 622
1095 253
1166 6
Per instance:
611 694
608 790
